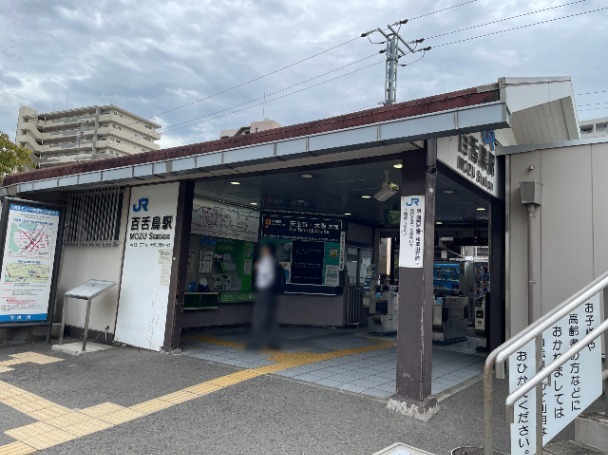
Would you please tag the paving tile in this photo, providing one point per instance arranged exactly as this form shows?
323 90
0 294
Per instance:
377 393
353 387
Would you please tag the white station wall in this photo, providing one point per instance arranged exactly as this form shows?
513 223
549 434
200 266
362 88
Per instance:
144 293
570 227
79 264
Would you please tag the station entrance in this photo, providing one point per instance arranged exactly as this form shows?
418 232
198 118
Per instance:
337 230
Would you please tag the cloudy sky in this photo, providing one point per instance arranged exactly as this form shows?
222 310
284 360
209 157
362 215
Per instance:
151 57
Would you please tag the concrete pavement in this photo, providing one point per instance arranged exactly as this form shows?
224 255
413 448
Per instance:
266 414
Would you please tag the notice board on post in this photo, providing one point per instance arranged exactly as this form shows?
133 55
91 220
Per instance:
30 240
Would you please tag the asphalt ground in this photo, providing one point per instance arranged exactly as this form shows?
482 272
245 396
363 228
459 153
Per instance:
264 415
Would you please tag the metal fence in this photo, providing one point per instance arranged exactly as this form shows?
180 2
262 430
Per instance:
93 217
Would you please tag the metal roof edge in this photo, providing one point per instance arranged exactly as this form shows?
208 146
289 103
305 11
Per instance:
525 148
384 132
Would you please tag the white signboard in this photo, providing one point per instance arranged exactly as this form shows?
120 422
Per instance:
474 157
574 386
27 262
144 291
215 219
90 289
411 232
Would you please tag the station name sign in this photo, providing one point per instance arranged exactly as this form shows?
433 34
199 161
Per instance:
476 160
472 156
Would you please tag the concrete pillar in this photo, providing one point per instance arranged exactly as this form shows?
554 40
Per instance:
415 309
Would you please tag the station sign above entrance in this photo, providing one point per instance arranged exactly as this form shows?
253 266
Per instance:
474 157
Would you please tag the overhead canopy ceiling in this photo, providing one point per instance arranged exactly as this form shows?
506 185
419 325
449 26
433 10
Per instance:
338 191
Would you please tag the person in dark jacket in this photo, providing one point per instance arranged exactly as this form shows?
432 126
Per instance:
264 322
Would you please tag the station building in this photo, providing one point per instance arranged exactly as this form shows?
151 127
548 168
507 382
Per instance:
400 219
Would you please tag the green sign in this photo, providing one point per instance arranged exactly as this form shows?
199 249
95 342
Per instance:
236 297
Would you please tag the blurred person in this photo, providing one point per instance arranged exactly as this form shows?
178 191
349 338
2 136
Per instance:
269 281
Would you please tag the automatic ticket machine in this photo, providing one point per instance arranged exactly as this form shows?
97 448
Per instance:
383 309
450 319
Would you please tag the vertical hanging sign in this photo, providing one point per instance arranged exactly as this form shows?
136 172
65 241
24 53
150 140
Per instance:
411 232
30 235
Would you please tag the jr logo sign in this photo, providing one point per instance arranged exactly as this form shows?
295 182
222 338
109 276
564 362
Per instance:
414 201
142 204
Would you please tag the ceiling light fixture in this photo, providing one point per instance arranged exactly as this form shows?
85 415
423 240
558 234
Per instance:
448 191
253 203
398 166
438 222
347 214
481 209
306 176
387 191
235 183
366 196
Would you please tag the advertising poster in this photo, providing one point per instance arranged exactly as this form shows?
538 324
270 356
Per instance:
28 257
214 219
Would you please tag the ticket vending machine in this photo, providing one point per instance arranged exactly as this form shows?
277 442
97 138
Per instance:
383 310
481 304
450 319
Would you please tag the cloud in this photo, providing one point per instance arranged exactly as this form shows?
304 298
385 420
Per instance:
153 56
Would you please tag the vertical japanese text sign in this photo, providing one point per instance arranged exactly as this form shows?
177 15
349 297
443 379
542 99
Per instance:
411 232
574 386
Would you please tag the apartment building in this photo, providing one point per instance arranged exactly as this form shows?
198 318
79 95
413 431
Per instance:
597 127
84 134
254 127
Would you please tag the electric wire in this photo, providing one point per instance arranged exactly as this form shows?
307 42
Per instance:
472 27
248 104
375 54
519 27
442 10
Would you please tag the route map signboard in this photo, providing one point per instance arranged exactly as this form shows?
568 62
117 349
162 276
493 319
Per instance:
29 253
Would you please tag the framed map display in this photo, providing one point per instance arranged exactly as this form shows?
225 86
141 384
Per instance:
29 237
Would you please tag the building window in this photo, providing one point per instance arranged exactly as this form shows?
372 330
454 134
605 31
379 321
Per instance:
93 217
587 129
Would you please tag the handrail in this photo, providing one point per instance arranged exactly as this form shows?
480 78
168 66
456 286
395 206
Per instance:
536 329
545 321
543 374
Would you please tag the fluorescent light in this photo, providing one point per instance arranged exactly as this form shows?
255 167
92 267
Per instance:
347 214
366 196
398 166
306 176
448 191
253 203
235 183
481 209
438 222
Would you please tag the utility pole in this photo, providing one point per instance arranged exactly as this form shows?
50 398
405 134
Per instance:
394 52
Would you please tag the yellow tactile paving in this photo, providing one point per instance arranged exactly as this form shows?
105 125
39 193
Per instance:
79 424
40 435
151 406
59 424
34 357
102 409
122 416
17 448
181 396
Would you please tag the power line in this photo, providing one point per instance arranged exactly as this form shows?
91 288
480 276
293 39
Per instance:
442 10
472 27
248 104
519 27
592 93
170 127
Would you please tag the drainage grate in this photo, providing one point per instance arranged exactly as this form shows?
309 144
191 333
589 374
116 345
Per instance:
471 451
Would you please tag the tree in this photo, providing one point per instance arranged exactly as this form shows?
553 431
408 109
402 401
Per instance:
13 158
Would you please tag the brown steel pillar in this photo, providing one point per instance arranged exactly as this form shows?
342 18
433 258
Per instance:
415 309
495 311
177 285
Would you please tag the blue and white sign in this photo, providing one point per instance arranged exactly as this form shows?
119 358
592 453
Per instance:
27 263
411 231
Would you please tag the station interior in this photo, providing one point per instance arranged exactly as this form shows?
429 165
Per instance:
340 301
